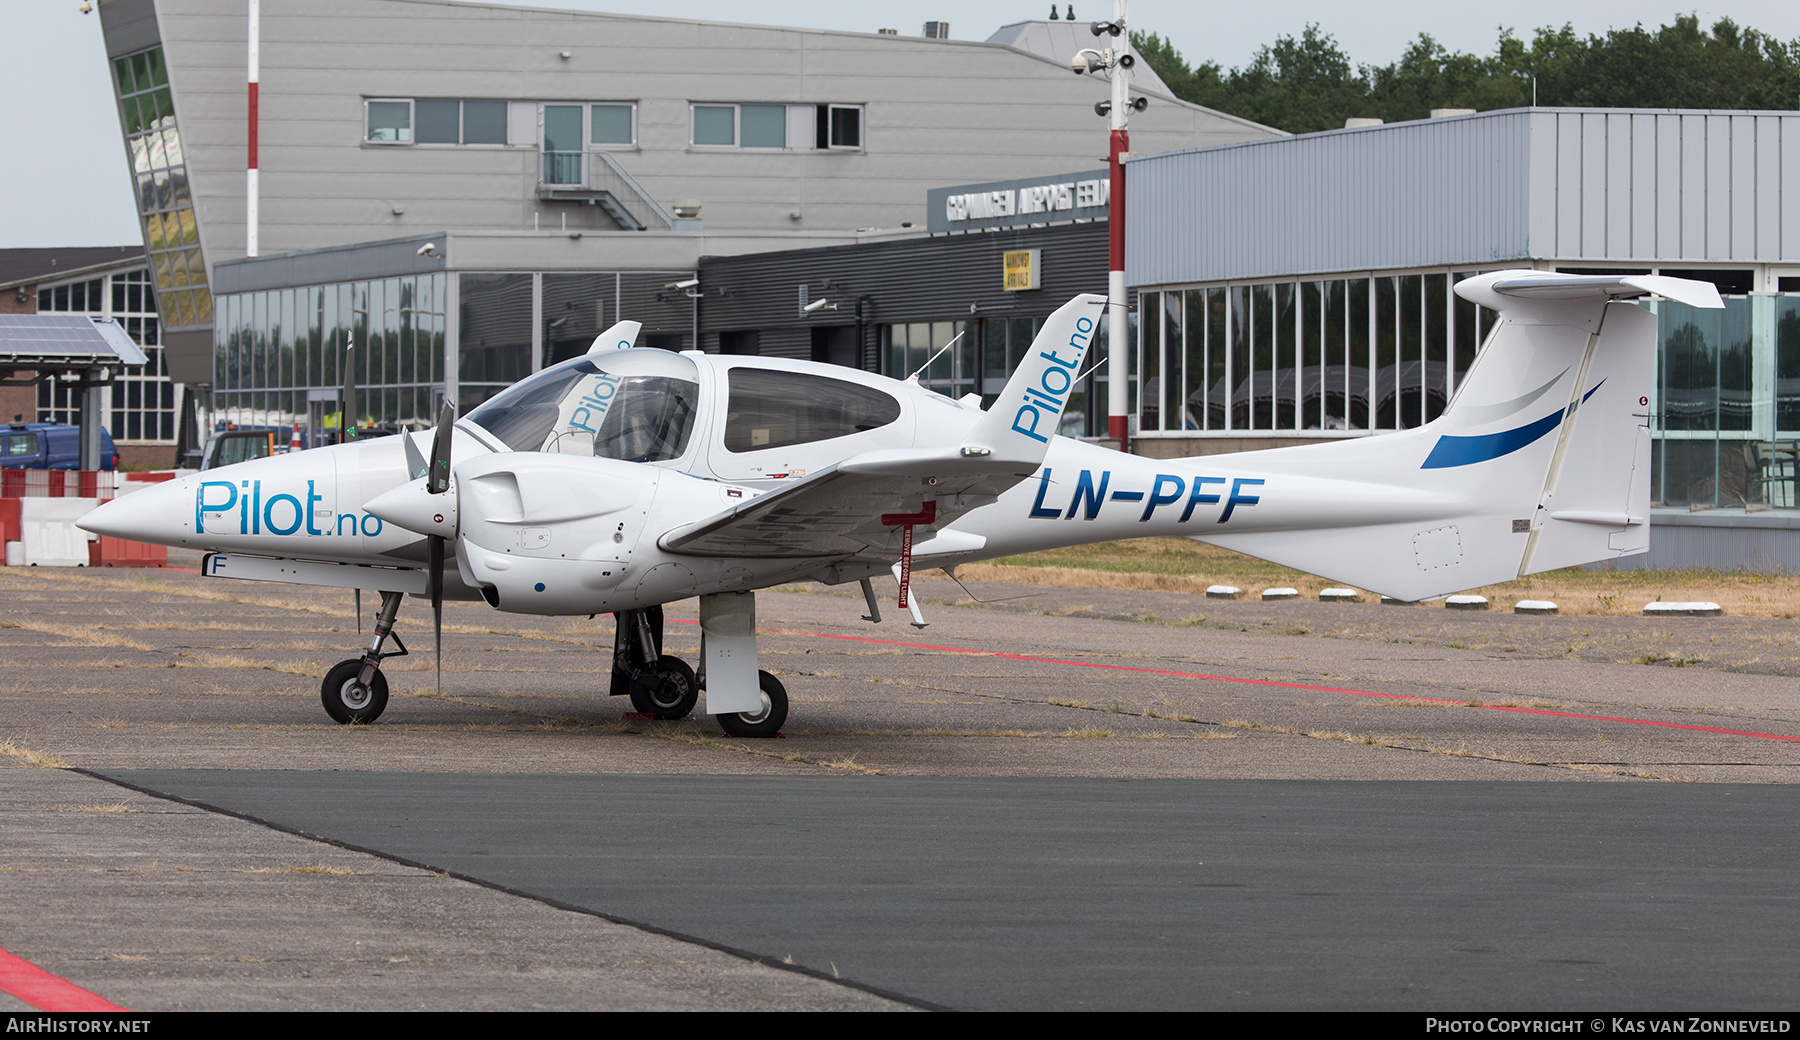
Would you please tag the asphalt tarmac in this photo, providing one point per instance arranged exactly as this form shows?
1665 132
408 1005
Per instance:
1077 798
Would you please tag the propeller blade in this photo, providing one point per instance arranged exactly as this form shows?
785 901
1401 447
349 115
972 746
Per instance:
415 462
435 582
437 481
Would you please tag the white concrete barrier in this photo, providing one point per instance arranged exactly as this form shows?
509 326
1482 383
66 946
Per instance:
47 529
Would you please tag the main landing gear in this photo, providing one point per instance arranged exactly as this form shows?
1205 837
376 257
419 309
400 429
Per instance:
664 686
657 683
355 690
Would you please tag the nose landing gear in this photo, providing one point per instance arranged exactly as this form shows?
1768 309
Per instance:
355 690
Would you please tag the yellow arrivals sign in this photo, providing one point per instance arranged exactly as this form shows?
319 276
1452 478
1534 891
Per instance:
1021 269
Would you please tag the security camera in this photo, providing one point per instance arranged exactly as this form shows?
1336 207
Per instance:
817 306
1087 60
688 284
428 249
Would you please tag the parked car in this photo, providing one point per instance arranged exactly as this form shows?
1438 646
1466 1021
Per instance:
233 445
50 446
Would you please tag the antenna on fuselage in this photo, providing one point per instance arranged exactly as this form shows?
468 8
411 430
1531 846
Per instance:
914 378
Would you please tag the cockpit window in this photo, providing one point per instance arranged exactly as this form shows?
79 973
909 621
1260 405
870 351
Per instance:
634 405
770 409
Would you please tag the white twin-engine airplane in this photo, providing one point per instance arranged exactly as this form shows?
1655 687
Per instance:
630 478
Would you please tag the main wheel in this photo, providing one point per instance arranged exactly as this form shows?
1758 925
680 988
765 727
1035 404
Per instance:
765 722
348 701
675 697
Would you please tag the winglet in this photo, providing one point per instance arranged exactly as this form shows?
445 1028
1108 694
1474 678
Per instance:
619 337
1019 425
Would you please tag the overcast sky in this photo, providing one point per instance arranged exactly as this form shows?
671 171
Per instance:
64 181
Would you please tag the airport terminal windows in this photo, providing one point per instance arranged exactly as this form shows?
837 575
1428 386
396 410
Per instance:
791 127
839 126
1368 353
160 171
372 350
140 404
388 121
1373 353
475 122
459 122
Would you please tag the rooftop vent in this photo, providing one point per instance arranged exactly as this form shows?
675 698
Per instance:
1446 113
887 32
937 30
1358 124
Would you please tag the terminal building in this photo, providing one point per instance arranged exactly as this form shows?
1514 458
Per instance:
564 169
867 198
1298 289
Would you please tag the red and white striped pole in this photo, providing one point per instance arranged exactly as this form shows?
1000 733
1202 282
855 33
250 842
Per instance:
250 186
1118 364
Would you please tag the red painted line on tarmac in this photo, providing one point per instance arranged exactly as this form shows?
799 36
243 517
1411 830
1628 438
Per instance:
1283 685
45 991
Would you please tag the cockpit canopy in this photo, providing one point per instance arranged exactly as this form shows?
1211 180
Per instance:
631 405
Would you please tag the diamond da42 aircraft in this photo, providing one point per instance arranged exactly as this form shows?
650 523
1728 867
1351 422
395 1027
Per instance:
630 478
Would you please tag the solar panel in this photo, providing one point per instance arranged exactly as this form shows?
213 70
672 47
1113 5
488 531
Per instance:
65 338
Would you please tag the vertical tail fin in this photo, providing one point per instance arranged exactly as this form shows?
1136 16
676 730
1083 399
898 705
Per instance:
1019 425
1541 461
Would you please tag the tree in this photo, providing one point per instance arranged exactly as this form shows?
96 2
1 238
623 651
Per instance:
1309 84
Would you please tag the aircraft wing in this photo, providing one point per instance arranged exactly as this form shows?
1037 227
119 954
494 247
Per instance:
838 511
858 507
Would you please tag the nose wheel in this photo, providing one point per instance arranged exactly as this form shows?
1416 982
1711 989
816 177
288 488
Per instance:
348 699
355 690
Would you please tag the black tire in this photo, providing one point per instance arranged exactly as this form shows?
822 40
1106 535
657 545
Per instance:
768 721
344 703
675 698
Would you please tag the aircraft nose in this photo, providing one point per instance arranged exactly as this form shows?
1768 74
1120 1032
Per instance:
162 514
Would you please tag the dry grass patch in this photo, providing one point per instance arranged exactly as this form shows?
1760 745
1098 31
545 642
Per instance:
40 759
1183 565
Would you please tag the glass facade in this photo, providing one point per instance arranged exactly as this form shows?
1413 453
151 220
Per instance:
1386 351
161 181
1727 407
140 404
374 349
983 359
1321 356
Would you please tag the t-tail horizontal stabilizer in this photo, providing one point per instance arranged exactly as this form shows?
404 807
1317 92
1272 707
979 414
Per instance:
1542 460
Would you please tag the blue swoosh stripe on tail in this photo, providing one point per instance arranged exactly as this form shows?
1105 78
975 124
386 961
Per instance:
1465 451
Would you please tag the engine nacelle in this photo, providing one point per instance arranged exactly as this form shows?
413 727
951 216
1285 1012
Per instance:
558 534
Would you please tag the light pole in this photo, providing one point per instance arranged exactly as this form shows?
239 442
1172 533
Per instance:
1116 62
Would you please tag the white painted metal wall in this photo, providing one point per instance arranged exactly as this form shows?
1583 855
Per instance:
1522 184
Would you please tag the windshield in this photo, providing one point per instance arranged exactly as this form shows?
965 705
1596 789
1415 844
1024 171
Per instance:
633 405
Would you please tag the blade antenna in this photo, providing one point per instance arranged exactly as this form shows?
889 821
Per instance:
915 376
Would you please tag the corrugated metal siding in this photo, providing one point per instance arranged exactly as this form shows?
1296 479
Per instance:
1563 184
919 279
1400 196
